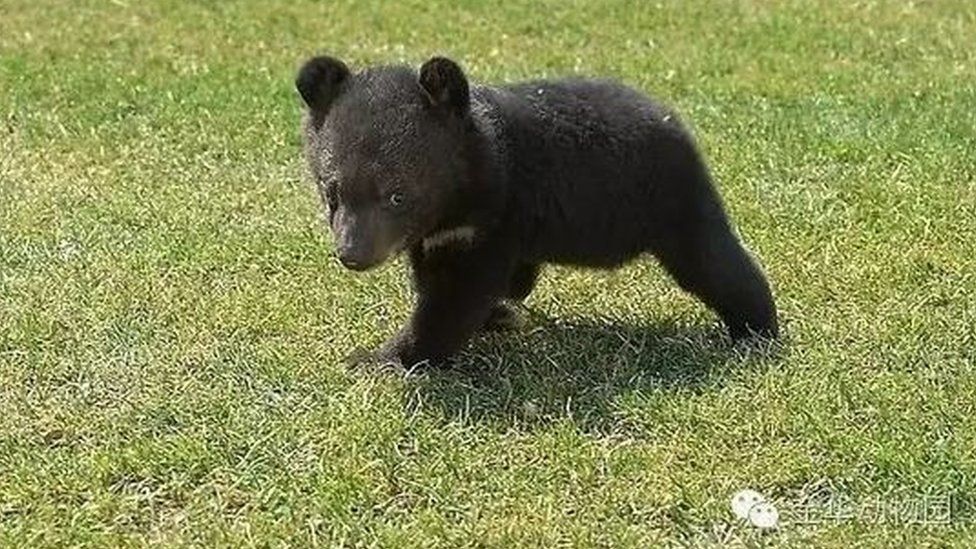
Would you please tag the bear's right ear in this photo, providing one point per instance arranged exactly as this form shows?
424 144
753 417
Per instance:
445 85
320 80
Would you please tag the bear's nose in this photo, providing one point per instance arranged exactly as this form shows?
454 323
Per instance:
351 262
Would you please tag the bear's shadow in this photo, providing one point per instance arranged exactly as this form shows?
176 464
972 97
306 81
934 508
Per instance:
579 370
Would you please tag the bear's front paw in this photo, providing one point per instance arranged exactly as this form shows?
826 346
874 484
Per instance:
399 352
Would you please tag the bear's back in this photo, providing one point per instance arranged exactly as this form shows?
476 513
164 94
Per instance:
585 158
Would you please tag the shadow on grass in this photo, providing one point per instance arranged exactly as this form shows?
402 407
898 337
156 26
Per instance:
580 370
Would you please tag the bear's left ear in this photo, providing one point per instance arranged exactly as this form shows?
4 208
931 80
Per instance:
445 85
320 81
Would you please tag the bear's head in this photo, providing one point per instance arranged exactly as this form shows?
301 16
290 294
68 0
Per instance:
386 148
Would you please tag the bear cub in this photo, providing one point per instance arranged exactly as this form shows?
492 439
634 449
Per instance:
482 185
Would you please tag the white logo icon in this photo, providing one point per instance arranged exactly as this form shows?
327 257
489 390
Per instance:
752 506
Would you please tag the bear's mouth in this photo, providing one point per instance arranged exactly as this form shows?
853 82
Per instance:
356 265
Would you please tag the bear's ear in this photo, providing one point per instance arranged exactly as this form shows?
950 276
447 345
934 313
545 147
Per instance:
320 81
445 85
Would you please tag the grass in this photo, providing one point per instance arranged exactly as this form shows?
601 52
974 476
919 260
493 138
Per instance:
173 329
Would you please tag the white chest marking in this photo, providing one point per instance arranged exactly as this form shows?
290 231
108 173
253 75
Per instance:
458 235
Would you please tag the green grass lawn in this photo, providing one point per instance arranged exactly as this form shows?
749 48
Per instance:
173 328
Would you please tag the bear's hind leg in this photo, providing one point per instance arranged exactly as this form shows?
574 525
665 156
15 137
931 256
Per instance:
707 259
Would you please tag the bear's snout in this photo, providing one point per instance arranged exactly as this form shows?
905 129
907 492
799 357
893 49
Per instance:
353 259
353 264
364 239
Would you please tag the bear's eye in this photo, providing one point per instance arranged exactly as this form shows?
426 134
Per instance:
395 199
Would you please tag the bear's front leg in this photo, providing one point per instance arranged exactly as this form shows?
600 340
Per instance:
456 290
